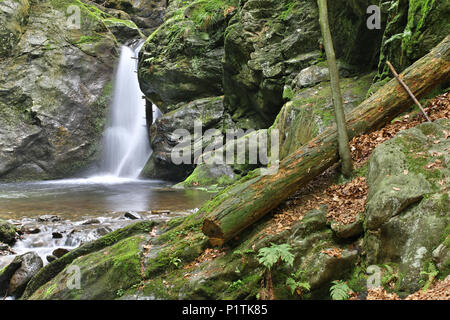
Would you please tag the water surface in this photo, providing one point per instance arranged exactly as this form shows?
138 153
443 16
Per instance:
75 199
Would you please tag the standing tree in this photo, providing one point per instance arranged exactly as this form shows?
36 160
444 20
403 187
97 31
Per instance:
344 148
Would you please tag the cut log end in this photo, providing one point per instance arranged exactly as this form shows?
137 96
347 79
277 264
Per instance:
213 231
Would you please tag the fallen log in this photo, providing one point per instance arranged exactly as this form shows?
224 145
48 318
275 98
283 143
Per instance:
247 201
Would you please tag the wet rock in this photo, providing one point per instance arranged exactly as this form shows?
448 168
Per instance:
49 218
7 232
57 235
17 274
58 253
51 258
209 111
132 215
91 221
100 232
31 230
160 211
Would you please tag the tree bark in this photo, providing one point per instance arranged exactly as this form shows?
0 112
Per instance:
344 148
247 201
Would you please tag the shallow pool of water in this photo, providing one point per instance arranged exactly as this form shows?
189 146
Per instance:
102 196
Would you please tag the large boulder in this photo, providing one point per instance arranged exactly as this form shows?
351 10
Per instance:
104 274
407 214
208 111
182 60
55 86
15 276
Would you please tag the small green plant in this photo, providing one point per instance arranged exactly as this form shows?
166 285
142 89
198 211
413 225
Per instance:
288 93
390 278
340 290
297 286
431 272
270 257
175 261
120 293
274 254
236 285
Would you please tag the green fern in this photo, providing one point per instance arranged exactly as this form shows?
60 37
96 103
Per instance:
340 290
270 256
294 285
431 272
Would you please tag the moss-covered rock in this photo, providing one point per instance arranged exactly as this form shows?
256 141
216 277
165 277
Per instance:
310 111
56 267
182 60
207 112
7 232
104 273
408 204
267 43
55 86
146 14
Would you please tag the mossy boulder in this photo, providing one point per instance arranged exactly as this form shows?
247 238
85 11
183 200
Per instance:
7 232
408 203
13 20
146 14
224 165
267 43
55 88
207 112
104 273
310 110
182 60
57 267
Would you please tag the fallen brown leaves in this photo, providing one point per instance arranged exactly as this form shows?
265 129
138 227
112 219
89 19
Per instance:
333 252
207 255
440 290
345 201
362 146
381 294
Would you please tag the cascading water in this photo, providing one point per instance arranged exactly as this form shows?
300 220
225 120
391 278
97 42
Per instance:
126 145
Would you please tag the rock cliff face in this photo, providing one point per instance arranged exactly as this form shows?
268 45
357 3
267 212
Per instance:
55 85
247 51
262 54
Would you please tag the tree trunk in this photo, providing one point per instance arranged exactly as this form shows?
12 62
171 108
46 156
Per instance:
344 148
241 205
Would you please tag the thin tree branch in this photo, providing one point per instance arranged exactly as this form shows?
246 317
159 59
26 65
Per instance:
407 89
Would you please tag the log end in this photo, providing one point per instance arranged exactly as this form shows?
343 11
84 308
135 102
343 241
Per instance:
213 231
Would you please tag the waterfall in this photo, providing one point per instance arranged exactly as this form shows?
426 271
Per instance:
126 144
